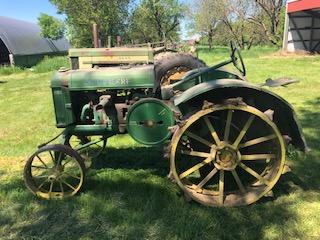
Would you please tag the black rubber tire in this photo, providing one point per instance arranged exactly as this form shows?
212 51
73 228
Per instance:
167 61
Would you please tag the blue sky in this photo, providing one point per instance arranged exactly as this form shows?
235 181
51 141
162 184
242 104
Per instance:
27 10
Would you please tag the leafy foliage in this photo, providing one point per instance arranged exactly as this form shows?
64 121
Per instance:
154 20
248 22
51 27
110 15
206 17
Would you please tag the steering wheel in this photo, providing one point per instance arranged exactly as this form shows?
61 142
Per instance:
237 59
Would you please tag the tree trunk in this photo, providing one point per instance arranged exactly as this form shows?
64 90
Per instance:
210 40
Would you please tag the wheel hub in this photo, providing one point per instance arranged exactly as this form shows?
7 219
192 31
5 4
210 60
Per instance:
55 173
227 157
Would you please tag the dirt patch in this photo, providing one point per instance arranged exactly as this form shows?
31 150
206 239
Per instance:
3 133
296 54
13 163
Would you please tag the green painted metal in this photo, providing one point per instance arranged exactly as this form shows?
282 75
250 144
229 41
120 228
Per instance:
148 121
88 130
86 109
110 78
63 106
196 76
207 86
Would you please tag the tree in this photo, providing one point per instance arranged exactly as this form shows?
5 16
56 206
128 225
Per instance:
206 17
141 29
110 16
235 15
51 27
154 20
268 18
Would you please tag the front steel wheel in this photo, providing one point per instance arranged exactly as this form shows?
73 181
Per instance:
54 172
227 155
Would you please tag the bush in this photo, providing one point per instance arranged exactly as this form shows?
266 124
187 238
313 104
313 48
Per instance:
51 64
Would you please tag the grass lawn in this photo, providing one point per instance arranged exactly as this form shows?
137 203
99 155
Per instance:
127 195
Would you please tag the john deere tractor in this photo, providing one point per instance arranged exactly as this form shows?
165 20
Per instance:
225 137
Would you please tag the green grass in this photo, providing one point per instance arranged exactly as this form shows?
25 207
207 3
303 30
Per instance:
127 195
51 63
47 64
9 70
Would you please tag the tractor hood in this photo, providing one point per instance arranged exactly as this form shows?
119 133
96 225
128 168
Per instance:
122 77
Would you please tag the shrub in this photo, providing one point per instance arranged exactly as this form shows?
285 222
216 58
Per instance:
51 64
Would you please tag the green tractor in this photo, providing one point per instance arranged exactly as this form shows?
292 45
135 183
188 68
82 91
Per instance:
226 138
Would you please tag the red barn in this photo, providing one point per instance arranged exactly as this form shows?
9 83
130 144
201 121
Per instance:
302 27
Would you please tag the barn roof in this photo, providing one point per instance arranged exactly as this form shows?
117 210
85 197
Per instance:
23 38
302 5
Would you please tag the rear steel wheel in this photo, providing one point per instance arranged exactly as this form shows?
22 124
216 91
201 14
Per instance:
227 155
54 172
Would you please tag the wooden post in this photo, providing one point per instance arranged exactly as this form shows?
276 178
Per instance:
109 41
118 41
11 59
95 36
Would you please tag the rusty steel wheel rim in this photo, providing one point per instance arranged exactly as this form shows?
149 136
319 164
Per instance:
174 75
54 174
217 164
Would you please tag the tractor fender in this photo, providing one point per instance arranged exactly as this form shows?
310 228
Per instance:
218 91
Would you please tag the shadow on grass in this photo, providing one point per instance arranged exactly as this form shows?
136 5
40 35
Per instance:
3 81
150 158
130 204
307 165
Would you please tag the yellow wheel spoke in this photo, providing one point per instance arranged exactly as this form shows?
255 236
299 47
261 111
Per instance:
71 175
207 178
51 186
195 168
257 141
42 161
221 187
211 129
254 173
40 186
253 157
195 153
42 176
61 187
238 181
68 184
59 158
243 131
228 125
199 139
51 156
40 167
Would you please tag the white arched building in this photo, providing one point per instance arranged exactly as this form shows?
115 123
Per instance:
302 27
